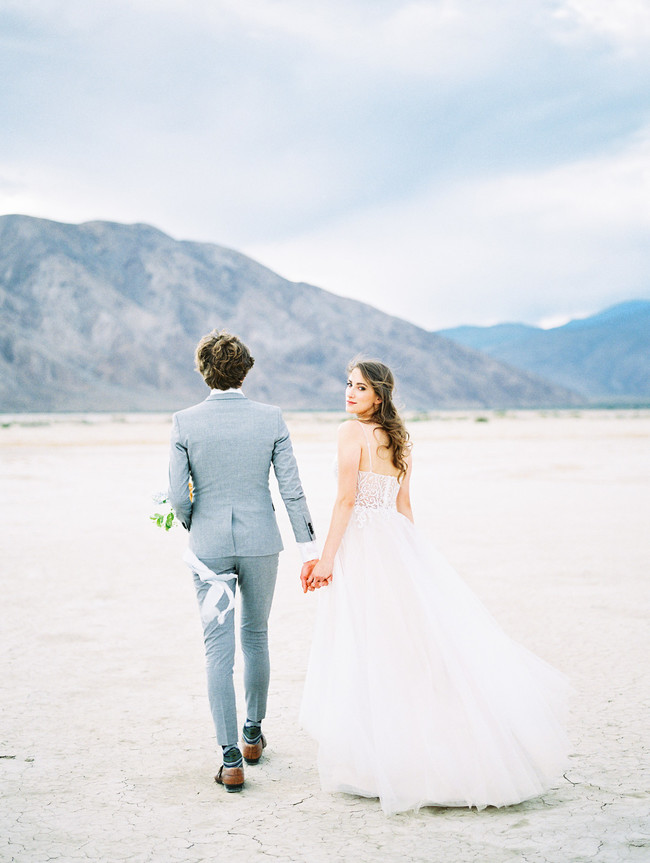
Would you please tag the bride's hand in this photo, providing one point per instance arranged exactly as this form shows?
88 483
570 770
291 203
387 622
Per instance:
321 574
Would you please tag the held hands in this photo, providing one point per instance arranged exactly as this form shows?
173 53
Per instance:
314 574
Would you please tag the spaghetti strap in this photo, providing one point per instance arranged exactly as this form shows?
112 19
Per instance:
367 443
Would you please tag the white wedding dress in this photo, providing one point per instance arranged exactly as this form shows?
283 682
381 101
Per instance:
413 692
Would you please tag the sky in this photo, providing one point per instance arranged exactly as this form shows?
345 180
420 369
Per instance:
448 161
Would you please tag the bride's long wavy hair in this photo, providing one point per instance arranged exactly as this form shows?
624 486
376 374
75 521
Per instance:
380 378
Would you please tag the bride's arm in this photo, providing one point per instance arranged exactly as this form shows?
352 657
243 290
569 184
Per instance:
403 502
348 458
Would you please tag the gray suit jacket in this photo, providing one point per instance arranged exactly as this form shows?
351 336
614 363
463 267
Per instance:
226 445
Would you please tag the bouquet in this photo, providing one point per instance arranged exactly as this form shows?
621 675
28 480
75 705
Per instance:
167 519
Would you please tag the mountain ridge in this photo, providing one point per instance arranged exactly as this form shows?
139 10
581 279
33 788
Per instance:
605 356
106 316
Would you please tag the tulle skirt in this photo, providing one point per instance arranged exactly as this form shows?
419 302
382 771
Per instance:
414 693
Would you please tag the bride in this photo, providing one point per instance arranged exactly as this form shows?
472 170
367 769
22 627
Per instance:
413 692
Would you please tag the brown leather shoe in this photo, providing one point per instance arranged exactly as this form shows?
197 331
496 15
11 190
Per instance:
252 752
232 778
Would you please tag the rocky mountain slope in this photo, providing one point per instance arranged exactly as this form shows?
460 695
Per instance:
105 316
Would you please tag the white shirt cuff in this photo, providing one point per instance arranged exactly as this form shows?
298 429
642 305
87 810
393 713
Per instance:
309 550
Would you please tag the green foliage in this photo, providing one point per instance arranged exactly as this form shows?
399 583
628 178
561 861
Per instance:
164 519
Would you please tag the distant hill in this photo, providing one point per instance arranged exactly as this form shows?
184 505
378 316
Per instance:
104 316
606 357
487 338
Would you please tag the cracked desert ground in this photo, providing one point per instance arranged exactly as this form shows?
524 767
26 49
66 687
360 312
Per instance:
107 751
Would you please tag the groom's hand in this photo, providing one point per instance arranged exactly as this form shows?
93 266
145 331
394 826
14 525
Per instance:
306 575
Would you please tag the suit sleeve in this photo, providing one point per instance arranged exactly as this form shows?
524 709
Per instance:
179 476
286 472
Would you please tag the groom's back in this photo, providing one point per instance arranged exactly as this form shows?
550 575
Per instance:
230 444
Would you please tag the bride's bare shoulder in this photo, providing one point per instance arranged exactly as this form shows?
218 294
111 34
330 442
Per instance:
350 434
349 430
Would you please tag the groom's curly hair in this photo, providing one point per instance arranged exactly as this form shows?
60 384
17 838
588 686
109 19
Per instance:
223 360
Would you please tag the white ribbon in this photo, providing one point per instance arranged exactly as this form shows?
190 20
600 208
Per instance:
218 586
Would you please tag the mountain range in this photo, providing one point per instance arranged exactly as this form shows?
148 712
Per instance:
605 357
106 316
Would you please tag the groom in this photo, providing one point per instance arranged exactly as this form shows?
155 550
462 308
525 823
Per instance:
226 445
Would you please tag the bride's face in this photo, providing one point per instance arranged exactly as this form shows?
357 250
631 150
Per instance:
360 398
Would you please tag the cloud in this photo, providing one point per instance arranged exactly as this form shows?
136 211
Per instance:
523 246
626 23
341 139
427 39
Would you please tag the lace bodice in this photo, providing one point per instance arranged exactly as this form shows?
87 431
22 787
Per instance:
375 492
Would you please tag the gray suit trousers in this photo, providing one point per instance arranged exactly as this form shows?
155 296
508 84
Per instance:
256 579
